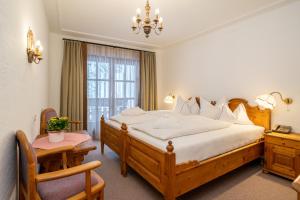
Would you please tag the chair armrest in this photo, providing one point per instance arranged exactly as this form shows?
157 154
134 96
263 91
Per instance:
48 152
68 172
296 184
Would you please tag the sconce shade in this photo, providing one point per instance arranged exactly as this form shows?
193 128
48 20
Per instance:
34 48
169 99
266 101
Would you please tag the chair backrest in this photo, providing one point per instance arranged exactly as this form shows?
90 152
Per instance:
27 167
45 116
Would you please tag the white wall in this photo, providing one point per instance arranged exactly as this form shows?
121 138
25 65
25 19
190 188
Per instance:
255 56
23 86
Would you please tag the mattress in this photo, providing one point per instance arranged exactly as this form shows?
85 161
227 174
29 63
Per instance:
203 145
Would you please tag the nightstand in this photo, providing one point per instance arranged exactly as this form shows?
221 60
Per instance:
282 154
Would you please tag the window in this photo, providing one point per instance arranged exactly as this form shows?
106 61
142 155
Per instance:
112 83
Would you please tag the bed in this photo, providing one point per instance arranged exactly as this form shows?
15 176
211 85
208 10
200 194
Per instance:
174 171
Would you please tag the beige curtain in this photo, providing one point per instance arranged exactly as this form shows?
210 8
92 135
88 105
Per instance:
72 97
148 85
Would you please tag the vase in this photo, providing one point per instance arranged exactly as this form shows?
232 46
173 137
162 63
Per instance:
56 136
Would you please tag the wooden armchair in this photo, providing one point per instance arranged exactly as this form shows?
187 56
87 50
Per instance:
296 186
75 183
50 112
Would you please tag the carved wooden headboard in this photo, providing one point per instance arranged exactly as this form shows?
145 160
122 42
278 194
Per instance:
257 116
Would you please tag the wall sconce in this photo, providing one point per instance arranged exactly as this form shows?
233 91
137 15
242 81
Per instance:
169 99
34 49
268 100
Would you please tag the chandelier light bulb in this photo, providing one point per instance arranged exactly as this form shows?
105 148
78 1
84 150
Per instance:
138 11
160 20
37 44
134 19
157 11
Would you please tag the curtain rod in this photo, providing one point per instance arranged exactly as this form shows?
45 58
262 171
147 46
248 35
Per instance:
105 45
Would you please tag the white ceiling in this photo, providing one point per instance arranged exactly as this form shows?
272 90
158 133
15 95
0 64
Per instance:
110 20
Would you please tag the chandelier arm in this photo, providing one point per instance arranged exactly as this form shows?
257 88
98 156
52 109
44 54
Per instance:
157 32
138 30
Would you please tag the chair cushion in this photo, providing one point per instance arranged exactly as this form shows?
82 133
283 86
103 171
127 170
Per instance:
61 189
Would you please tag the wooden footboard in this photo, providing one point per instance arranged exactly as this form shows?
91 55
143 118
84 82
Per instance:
110 136
115 139
149 162
193 174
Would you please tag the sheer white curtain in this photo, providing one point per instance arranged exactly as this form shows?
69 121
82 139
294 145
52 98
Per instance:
112 82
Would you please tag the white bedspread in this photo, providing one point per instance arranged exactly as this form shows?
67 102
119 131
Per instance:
173 126
203 145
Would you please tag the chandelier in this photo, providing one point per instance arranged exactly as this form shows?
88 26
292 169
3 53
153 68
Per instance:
147 24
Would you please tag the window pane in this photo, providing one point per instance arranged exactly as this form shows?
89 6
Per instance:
119 72
103 70
131 103
119 89
112 87
92 69
103 89
130 90
91 89
130 73
120 105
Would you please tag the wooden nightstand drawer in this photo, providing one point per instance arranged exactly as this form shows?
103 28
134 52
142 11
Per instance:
283 160
282 142
282 154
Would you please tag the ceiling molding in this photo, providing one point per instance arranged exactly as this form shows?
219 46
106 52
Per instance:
230 22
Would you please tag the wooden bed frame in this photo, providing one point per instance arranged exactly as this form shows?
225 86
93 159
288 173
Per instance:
159 167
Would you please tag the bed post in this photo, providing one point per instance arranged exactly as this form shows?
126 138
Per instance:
170 172
102 134
124 132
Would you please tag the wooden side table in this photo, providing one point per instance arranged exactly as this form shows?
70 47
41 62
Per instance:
74 157
282 154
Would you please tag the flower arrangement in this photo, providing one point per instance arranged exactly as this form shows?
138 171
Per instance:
57 124
56 127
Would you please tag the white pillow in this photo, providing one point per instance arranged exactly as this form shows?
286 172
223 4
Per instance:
209 110
194 107
133 111
227 115
241 116
186 107
223 101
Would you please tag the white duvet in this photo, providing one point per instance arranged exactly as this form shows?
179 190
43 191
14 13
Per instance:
203 145
173 126
142 117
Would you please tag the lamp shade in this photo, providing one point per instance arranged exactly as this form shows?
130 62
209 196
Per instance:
266 101
169 99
